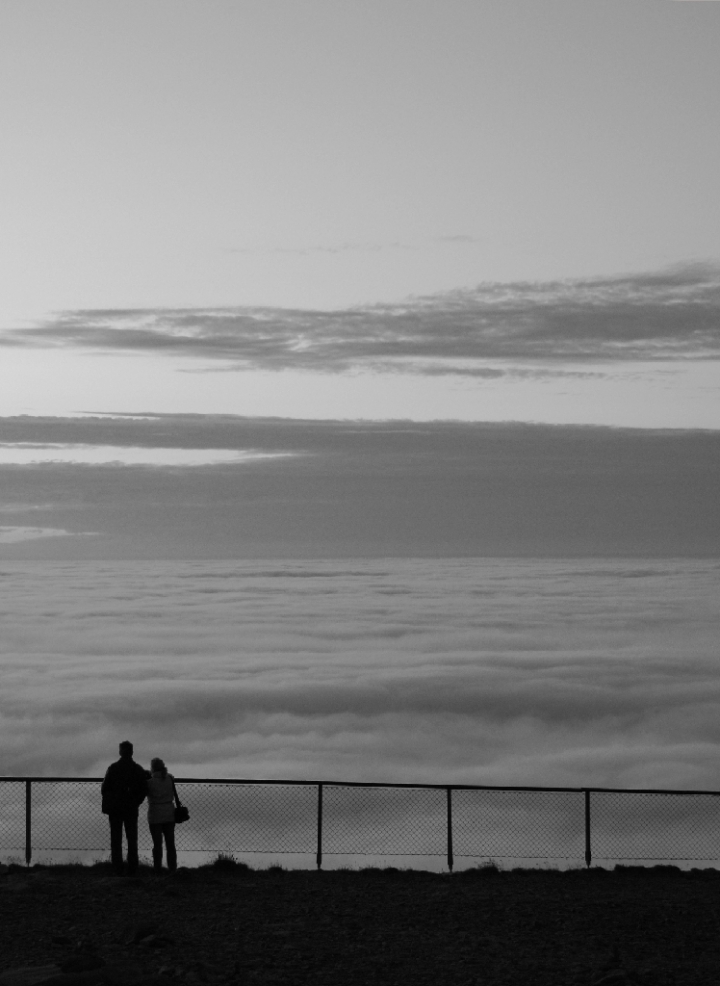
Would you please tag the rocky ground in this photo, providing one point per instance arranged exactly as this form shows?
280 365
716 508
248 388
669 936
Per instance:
76 926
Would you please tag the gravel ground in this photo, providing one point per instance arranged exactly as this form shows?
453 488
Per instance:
236 925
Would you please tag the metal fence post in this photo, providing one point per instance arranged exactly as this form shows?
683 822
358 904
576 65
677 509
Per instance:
28 822
318 858
449 830
588 849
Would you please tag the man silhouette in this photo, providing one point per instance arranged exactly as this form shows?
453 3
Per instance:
123 791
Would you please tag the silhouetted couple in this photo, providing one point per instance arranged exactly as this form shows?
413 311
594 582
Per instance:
125 787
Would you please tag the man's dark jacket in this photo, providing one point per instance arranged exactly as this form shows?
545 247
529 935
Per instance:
124 787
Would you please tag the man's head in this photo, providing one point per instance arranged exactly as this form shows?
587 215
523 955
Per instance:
126 749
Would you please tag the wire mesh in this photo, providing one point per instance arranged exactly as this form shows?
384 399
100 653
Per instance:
519 824
629 825
384 821
248 818
223 818
66 815
12 815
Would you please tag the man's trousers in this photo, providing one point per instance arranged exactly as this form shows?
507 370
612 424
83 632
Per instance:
128 821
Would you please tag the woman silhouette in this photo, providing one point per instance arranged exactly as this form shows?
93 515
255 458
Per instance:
161 814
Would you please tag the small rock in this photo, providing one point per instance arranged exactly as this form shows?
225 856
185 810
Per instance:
202 972
122 974
29 975
84 962
141 931
615 977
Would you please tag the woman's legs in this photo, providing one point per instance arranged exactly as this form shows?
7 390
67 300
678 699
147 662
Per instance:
168 829
156 831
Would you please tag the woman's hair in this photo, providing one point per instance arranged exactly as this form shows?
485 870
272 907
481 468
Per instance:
157 764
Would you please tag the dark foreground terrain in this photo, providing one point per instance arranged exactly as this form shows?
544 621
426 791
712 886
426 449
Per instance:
230 924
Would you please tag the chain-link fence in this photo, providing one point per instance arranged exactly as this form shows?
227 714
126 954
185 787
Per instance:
49 815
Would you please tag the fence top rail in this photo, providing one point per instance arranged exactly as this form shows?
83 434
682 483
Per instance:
377 784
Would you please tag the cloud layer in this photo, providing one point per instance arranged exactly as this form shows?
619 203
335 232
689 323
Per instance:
500 672
663 315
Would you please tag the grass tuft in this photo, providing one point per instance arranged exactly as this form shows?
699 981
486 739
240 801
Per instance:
488 868
226 863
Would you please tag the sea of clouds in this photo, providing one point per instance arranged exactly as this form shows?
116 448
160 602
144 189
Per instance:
487 671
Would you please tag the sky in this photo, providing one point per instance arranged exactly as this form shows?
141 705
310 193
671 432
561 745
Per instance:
312 311
467 210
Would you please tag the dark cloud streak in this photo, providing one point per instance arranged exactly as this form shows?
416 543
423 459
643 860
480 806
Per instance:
664 315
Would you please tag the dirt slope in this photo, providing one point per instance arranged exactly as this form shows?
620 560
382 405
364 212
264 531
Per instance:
368 927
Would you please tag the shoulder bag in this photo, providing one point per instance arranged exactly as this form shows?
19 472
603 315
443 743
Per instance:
181 812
